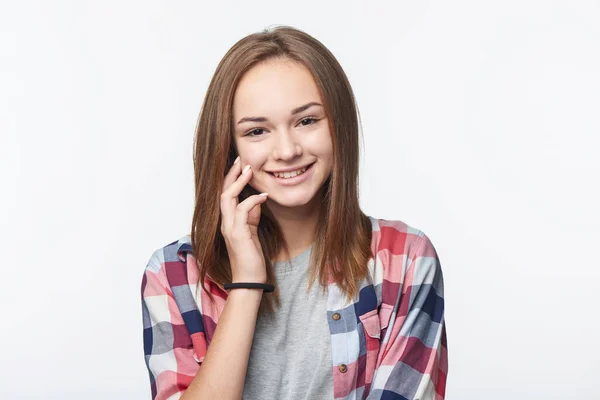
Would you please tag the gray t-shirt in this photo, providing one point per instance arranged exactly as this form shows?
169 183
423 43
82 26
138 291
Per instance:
291 350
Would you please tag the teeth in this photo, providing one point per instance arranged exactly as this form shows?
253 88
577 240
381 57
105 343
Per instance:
291 174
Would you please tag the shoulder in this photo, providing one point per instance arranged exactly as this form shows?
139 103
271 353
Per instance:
397 238
396 246
167 264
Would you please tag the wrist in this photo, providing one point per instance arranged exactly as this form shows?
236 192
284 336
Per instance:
247 297
266 288
239 279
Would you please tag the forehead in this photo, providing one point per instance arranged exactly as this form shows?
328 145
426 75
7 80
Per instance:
273 88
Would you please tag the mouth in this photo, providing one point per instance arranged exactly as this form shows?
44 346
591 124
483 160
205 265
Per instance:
291 174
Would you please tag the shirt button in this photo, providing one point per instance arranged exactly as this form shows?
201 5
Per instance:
343 368
336 316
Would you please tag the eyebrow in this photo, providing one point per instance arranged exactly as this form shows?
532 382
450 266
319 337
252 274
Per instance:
294 111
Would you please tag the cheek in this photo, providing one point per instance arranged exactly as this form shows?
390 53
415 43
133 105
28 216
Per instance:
327 155
247 154
324 147
255 156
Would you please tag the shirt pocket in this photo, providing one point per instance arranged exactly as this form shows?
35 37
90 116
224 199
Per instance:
372 329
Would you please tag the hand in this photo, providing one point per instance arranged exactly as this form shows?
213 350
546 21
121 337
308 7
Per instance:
239 226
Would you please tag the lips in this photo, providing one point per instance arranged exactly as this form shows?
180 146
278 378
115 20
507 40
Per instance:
291 179
290 173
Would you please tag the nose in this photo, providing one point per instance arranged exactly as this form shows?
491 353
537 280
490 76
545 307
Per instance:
286 147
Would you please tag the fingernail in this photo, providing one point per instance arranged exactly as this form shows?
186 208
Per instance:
236 160
246 168
264 194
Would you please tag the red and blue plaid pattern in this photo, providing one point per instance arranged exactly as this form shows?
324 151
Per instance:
389 342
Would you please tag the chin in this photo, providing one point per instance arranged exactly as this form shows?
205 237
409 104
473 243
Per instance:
291 199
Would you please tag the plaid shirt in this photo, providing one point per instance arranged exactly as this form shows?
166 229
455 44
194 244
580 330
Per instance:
388 343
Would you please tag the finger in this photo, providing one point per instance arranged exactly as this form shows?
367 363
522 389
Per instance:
234 189
232 174
229 198
243 210
227 208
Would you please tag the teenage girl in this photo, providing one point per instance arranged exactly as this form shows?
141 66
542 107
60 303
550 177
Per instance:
284 289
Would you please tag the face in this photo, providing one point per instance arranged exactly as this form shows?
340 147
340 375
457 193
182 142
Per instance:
282 132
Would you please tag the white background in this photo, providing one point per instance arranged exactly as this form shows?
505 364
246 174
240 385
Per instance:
481 123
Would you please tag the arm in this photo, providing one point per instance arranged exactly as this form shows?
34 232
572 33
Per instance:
223 371
414 361
174 372
169 346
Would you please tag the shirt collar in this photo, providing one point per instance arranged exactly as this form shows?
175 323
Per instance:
184 246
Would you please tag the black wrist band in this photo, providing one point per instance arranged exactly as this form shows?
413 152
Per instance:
250 285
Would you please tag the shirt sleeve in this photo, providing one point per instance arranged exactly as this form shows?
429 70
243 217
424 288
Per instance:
168 349
413 362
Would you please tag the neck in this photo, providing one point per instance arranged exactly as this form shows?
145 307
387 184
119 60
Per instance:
298 225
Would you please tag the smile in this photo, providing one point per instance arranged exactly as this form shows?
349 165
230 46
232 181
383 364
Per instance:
290 174
292 177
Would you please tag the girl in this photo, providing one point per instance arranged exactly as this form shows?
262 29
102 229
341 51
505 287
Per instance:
326 302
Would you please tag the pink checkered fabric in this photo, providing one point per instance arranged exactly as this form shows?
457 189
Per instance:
389 342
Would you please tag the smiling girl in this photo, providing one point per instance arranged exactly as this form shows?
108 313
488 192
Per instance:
285 289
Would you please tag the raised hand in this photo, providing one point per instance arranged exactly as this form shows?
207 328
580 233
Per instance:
239 226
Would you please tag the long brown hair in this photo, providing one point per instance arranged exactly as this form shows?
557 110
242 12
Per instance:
342 245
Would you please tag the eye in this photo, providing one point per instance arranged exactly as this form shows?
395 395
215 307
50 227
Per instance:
312 121
303 122
254 132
